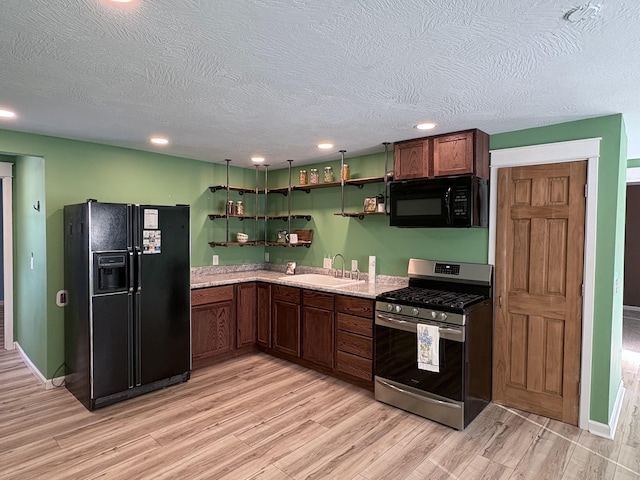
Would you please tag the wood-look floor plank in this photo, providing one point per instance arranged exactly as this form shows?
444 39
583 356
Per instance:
260 417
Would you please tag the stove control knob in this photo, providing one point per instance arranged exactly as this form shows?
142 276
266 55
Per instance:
398 308
434 314
389 307
416 312
443 316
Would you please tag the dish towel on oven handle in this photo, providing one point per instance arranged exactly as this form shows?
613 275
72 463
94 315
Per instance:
428 347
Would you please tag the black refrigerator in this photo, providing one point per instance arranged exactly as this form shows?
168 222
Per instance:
128 312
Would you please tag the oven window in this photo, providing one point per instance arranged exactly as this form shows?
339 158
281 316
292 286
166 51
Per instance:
396 359
413 207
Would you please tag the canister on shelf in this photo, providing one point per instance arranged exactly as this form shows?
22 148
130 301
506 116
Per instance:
315 178
303 177
239 208
328 174
230 207
345 173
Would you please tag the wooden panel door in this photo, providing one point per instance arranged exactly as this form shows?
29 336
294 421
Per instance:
246 298
264 315
212 329
539 270
411 159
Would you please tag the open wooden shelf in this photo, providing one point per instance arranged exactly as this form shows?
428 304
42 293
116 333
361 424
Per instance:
213 216
241 190
359 215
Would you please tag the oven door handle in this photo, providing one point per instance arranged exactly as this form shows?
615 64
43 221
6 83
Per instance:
454 334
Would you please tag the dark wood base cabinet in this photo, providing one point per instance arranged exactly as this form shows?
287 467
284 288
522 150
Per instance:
330 333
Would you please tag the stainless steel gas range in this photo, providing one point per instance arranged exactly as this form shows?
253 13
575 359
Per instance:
433 342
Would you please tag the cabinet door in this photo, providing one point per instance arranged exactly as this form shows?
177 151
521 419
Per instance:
213 329
411 159
264 314
286 327
246 299
317 336
453 154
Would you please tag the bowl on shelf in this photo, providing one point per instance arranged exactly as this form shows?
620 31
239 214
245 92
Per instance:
242 237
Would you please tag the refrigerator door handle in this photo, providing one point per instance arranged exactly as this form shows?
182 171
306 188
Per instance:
130 351
139 276
138 343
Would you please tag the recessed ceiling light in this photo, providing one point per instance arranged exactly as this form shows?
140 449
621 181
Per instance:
257 159
159 140
7 114
122 1
325 145
426 126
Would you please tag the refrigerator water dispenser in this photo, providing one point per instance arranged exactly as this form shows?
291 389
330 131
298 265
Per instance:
110 272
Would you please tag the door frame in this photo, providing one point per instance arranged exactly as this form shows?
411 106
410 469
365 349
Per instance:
560 152
6 173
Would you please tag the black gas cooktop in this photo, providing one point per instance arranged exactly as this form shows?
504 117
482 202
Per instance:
426 297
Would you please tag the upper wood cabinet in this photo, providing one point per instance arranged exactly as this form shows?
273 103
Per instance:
412 159
442 155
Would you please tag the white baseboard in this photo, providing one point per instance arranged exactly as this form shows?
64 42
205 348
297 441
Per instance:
609 430
47 383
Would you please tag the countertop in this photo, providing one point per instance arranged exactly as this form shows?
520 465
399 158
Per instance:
364 289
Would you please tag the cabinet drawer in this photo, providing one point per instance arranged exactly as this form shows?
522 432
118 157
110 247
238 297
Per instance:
353 365
202 296
361 307
287 294
311 298
355 344
359 325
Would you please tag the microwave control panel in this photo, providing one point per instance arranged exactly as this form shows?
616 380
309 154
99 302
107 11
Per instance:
461 205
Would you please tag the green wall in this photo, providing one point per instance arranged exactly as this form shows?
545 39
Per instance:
607 333
76 171
30 242
633 163
357 239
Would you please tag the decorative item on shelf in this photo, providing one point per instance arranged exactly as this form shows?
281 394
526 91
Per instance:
303 177
380 202
239 208
242 237
370 204
328 174
282 236
345 172
315 177
293 238
304 236
230 207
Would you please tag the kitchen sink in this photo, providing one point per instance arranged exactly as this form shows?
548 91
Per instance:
320 280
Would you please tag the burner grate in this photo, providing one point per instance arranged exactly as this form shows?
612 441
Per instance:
430 297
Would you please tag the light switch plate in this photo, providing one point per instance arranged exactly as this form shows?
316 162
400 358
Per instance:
266 256
216 260
354 265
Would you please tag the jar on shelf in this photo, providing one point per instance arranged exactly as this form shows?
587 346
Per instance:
328 174
230 207
314 177
239 208
303 177
345 173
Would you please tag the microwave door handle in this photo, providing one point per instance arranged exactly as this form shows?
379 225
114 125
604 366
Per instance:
447 204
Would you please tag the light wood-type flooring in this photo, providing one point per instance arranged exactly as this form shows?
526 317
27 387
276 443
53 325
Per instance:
258 417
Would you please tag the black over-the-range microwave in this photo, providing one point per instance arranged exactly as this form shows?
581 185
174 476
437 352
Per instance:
458 201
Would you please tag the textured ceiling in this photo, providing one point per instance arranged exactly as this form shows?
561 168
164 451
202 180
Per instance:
236 78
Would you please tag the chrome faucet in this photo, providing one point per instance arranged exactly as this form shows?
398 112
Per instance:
334 261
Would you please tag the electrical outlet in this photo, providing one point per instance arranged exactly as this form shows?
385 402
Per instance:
326 263
62 298
216 260
266 256
354 265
